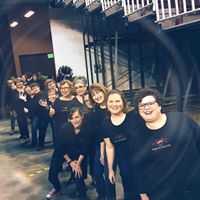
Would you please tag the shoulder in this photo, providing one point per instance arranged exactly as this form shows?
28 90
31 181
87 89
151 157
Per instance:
106 124
181 118
67 127
134 118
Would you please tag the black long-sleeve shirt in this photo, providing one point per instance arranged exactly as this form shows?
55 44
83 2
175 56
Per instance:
73 143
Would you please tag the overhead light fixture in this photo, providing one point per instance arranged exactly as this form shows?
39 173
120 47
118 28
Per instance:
13 24
29 13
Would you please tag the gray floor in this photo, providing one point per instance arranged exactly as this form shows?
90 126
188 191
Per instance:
24 171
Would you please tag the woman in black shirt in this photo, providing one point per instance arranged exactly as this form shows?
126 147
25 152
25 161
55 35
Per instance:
117 130
59 111
72 146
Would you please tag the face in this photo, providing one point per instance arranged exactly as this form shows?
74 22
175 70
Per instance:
13 86
35 90
23 78
19 84
34 77
115 104
87 101
52 97
149 109
76 120
65 90
9 82
51 86
98 96
80 88
28 90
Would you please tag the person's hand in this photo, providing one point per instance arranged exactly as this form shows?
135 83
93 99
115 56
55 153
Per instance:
52 111
112 177
73 165
78 171
144 197
25 110
102 159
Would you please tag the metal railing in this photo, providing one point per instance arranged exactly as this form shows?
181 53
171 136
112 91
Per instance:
106 4
132 6
168 9
89 2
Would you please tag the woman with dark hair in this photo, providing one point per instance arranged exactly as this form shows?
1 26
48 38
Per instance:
104 188
117 130
72 146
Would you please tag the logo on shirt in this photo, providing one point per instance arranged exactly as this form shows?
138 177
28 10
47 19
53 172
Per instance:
160 143
119 138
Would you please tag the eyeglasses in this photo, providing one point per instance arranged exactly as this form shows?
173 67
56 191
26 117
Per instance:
150 104
63 88
79 87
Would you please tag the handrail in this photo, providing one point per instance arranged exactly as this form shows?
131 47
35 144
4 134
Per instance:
168 9
133 6
106 4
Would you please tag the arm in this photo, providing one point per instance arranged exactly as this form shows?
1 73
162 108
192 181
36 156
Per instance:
110 153
144 196
70 162
80 159
102 152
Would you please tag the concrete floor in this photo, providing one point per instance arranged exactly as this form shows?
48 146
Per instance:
24 171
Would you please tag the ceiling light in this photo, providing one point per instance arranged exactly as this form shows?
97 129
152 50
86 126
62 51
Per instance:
13 24
29 13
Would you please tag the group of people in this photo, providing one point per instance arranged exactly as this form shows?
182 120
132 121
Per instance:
158 154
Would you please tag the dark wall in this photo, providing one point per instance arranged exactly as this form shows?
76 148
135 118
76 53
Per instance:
7 65
32 35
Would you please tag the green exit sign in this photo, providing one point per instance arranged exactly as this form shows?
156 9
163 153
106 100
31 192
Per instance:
50 55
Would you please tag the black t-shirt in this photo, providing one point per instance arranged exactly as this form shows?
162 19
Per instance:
76 103
61 112
120 134
95 119
18 104
35 108
167 158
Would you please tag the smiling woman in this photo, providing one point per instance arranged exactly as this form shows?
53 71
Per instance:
118 129
163 149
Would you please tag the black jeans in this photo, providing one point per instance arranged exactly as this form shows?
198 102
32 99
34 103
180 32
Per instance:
57 161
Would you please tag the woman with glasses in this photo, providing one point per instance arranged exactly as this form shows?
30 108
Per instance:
80 87
60 113
59 110
165 151
118 129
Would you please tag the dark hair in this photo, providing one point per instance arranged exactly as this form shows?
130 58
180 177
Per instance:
18 80
34 84
100 87
148 92
29 75
73 110
90 98
126 107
